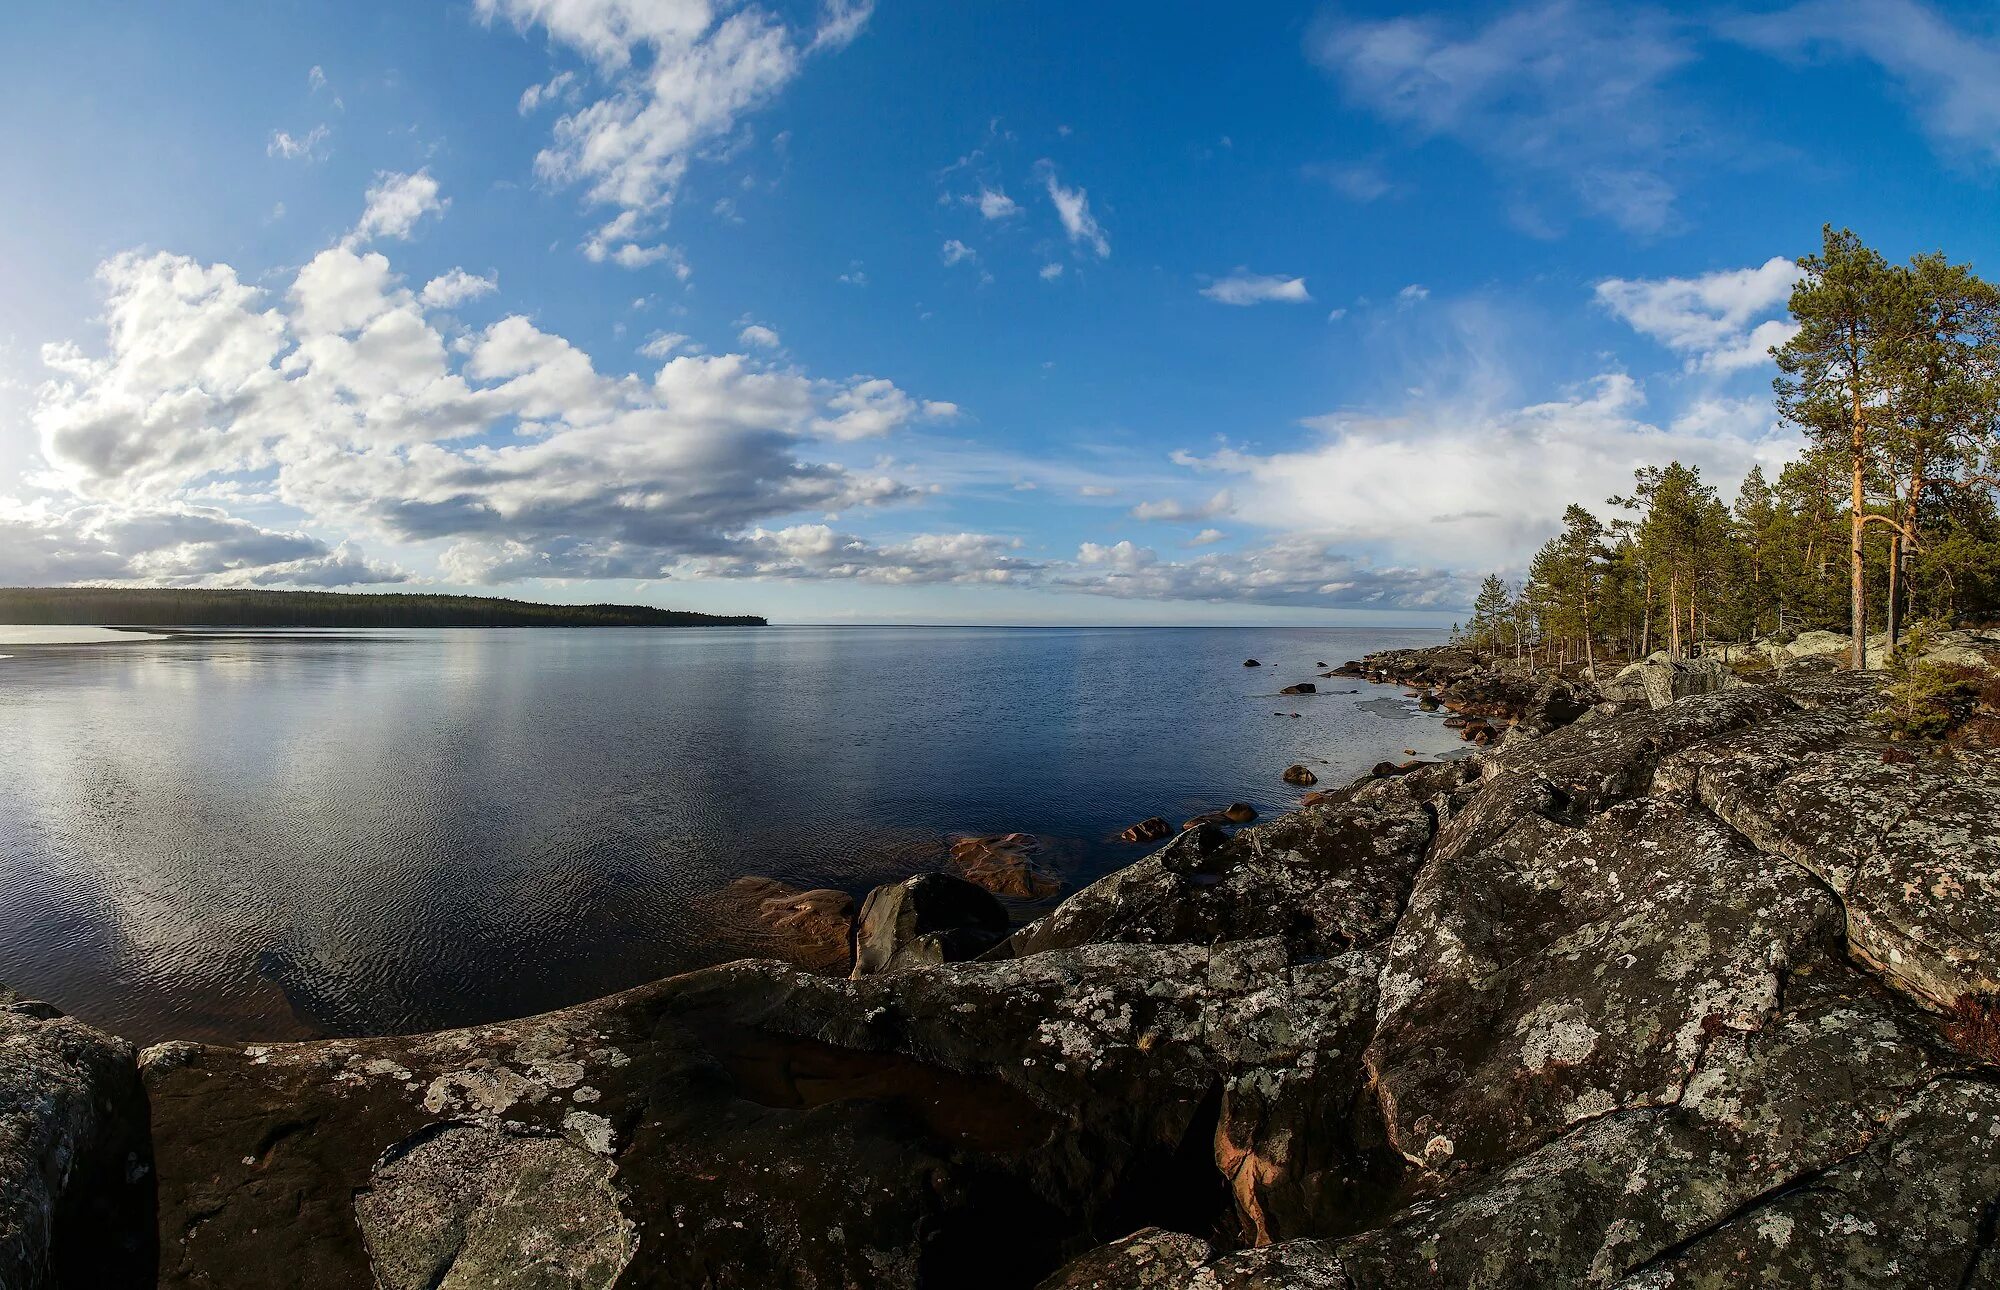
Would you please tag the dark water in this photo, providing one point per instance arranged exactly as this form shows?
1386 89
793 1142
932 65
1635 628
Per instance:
351 833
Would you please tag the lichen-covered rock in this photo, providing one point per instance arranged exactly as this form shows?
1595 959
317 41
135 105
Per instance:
1566 972
1326 878
1909 848
74 1159
470 1207
769 1127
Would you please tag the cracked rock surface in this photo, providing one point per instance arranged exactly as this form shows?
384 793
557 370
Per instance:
1656 998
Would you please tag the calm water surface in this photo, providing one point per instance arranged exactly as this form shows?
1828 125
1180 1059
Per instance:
292 834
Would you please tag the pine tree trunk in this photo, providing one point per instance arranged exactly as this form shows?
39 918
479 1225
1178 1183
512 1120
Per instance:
1857 604
1895 563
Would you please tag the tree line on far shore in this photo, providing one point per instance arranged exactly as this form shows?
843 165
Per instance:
1887 518
199 607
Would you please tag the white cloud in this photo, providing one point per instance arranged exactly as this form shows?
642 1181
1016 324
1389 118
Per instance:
1708 319
561 87
840 21
1207 537
167 546
759 335
1557 91
1951 75
869 407
454 288
664 344
681 75
1178 511
395 203
956 252
1414 294
995 204
1469 480
506 454
310 146
1051 271
1073 209
1245 288
316 79
617 242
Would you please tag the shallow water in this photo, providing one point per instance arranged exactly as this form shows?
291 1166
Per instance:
280 835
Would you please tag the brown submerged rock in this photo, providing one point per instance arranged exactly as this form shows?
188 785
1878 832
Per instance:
1151 829
1303 687
767 918
1004 864
1300 775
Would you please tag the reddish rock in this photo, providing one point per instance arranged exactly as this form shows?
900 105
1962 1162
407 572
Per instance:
1151 829
769 919
1003 864
1300 775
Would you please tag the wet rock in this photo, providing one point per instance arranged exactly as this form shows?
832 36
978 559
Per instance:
765 918
1251 662
1302 687
75 1207
929 919
1300 775
1151 829
1004 865
1239 812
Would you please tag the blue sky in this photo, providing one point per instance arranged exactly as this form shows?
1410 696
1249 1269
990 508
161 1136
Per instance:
1012 312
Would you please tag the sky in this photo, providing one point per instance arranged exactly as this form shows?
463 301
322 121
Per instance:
1007 312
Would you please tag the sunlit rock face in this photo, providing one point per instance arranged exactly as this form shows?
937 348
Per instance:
1650 1000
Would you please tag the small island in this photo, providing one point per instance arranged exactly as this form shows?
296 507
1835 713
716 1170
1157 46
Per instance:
209 607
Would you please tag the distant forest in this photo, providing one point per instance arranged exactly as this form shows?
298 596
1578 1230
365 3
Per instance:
193 607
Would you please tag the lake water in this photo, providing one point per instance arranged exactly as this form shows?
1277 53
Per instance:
282 835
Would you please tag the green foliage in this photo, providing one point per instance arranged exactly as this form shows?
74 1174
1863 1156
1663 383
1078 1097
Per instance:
1894 378
1926 699
179 607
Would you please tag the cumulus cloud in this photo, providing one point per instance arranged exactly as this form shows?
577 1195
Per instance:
1051 271
1245 288
455 288
1572 94
1073 209
1454 481
507 453
41 545
872 407
395 203
679 75
956 252
759 335
1709 319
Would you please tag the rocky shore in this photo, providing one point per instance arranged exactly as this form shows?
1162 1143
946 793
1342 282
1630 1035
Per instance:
1686 985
